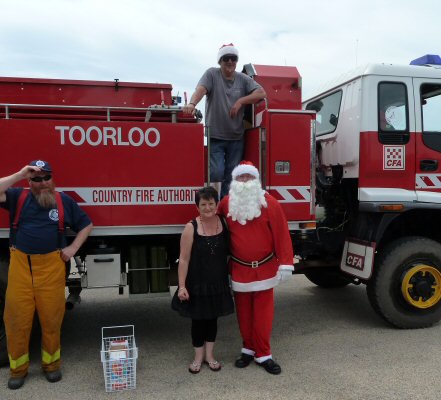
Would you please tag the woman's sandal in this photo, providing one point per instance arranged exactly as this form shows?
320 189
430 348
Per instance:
213 365
194 368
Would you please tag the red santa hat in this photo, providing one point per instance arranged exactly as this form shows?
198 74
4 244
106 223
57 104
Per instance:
227 49
245 167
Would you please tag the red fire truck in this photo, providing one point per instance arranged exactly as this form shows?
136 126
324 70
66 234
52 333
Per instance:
362 155
132 160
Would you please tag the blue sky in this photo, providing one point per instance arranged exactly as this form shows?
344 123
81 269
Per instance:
174 41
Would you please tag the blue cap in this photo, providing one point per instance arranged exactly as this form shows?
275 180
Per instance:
43 165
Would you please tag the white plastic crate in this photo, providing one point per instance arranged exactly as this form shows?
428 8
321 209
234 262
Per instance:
118 355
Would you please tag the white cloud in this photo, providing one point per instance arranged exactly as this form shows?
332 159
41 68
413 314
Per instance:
172 41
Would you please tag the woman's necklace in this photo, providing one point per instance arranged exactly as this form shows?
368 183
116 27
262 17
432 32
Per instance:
211 240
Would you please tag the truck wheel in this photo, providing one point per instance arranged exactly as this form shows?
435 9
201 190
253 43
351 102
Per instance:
326 278
4 264
405 288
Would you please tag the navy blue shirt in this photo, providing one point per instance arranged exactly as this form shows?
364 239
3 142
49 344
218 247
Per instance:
38 227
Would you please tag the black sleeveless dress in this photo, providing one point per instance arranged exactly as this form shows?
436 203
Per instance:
207 278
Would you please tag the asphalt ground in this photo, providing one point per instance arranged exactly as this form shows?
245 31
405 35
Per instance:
329 343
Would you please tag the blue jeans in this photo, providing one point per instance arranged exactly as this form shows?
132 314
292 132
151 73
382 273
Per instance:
225 155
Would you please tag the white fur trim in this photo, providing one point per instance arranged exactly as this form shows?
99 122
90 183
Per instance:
263 358
228 49
284 272
255 286
248 351
245 169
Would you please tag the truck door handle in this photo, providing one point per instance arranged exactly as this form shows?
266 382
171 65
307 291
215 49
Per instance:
103 260
429 165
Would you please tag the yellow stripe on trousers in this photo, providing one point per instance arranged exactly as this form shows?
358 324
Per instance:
19 361
50 358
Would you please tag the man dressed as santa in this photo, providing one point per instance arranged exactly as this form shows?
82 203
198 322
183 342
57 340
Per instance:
261 257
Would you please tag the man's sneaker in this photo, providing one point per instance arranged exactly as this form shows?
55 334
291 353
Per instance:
244 360
53 376
271 366
16 382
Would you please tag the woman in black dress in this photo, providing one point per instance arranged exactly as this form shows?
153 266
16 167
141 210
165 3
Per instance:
203 277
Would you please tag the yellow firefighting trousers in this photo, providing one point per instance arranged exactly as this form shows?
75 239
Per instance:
35 282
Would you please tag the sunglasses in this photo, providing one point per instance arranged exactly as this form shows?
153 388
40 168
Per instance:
229 58
41 178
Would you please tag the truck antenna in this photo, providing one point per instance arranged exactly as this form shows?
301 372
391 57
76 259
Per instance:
356 52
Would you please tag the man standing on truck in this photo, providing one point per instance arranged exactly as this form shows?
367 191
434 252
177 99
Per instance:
227 92
261 257
37 271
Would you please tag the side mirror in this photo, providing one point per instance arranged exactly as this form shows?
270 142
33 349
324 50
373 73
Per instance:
333 119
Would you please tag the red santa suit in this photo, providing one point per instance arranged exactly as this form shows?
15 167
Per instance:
254 241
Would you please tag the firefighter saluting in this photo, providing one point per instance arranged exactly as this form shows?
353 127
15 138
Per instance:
38 253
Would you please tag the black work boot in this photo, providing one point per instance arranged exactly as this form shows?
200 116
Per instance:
53 376
16 382
270 366
244 360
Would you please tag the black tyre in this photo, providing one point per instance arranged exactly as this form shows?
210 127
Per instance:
326 278
405 288
4 264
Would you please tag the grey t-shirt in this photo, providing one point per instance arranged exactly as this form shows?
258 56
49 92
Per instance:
221 96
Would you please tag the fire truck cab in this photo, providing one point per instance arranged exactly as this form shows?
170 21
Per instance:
379 185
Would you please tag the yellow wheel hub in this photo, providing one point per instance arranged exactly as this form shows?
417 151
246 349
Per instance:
421 286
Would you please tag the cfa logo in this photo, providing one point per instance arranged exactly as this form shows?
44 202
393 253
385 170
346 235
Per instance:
394 163
394 157
355 261
53 214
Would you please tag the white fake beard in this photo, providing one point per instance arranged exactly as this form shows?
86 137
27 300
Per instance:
246 200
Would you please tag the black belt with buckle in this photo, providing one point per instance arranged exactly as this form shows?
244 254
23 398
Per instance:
253 264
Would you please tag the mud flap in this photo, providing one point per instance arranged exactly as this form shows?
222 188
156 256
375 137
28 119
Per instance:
358 258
